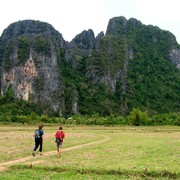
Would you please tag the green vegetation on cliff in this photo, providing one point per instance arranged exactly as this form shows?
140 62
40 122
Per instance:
128 67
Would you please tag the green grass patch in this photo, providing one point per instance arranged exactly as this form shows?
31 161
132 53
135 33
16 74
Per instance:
68 172
125 153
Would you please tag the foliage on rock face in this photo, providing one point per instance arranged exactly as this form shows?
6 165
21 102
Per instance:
127 68
156 88
153 80
41 45
109 58
6 55
23 48
22 36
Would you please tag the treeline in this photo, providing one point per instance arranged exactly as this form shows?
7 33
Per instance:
136 118
18 111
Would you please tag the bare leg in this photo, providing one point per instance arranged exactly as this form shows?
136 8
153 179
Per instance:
59 152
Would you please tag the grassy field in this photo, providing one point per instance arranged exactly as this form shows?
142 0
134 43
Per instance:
92 152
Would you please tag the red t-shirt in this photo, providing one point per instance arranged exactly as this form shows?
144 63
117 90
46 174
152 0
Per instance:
57 135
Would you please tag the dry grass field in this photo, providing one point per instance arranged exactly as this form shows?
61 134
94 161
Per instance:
92 152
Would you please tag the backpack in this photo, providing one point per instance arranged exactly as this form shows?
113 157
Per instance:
58 136
37 134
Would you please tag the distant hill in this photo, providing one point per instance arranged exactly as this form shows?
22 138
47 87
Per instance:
130 65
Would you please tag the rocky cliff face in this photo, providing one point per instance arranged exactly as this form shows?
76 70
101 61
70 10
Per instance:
175 56
106 74
79 47
30 63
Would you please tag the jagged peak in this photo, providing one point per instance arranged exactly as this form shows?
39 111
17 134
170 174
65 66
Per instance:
111 28
98 39
85 39
100 35
123 23
84 34
135 22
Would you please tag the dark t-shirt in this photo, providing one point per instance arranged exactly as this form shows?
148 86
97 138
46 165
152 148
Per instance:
40 133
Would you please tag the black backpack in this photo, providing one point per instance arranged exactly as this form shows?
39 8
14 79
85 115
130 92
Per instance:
37 134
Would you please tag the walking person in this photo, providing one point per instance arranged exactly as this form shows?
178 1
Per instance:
38 137
60 135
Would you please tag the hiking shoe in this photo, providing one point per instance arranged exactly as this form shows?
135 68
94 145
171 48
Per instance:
33 154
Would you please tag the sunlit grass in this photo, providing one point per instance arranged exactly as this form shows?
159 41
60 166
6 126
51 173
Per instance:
130 152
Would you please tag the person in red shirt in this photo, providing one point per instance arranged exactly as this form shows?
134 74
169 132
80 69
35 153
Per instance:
59 135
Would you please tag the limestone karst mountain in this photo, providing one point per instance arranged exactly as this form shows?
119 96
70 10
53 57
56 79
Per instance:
131 65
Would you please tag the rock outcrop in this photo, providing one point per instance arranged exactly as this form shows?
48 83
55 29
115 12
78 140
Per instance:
128 66
30 63
175 57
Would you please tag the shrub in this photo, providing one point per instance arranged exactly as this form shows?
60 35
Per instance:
138 117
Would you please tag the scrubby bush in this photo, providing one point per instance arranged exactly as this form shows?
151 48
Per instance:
116 120
166 119
137 117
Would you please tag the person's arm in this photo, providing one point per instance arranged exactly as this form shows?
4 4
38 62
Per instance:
55 134
42 136
63 135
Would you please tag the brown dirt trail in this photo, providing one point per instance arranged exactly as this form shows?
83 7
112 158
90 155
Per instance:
4 165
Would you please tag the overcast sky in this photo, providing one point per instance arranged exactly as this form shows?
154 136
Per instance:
71 17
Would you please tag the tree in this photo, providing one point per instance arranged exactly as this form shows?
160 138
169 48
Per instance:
138 117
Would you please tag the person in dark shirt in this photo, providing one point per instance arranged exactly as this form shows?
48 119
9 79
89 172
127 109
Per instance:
38 138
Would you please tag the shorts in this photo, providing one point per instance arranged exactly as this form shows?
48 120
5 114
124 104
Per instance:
59 144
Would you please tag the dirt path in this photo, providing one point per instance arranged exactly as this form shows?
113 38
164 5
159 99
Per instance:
3 166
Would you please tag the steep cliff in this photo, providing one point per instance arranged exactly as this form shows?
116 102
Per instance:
31 56
135 63
131 65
